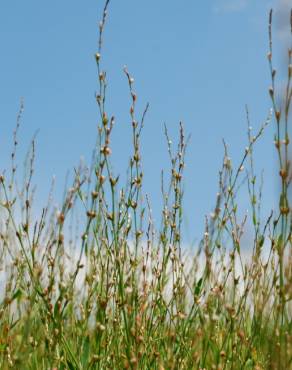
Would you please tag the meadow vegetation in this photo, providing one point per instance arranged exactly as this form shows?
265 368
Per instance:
122 292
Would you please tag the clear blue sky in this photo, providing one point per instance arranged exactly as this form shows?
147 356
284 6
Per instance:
196 62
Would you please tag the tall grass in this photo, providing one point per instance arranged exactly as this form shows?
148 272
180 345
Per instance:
122 293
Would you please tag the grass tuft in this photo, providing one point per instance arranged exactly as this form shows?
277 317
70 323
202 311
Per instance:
122 292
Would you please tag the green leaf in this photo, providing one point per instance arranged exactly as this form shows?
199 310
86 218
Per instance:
254 219
56 310
85 353
3 347
14 324
70 365
261 240
198 286
17 294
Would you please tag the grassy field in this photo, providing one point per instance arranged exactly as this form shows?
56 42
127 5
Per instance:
122 292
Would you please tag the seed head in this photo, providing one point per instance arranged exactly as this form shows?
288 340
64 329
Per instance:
278 115
94 194
104 119
97 57
91 214
105 150
61 217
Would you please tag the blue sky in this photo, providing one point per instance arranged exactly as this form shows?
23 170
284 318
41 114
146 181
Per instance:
196 62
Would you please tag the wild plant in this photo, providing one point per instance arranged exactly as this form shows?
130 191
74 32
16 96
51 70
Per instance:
124 293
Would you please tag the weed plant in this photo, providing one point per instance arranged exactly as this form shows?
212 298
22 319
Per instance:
123 293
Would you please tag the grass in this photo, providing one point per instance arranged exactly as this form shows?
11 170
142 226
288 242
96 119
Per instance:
123 293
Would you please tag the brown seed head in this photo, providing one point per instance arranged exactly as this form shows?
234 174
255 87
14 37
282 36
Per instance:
61 218
94 194
91 214
283 173
105 150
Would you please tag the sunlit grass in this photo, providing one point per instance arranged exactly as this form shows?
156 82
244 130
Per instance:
121 292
